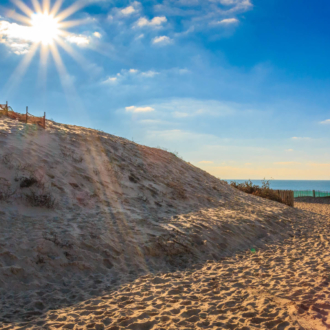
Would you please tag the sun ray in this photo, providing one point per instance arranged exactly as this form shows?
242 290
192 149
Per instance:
18 17
36 6
23 7
75 55
58 61
68 24
42 75
46 6
68 87
70 10
56 7
17 75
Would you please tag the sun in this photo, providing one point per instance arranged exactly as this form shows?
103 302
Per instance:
44 28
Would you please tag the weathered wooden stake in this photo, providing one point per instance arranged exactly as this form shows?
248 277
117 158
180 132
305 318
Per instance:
27 113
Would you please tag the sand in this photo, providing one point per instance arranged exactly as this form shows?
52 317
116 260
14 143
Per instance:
139 239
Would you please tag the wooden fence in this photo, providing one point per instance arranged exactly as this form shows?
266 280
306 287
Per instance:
311 193
287 196
27 117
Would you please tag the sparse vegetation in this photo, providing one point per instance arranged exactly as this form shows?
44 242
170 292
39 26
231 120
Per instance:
52 237
264 191
70 153
40 199
28 182
179 191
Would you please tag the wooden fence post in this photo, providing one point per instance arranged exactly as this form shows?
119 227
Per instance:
27 113
314 193
44 120
6 109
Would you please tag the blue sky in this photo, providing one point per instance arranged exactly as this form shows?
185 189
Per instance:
239 88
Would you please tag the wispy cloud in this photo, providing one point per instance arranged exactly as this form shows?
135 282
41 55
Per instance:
139 109
320 164
178 114
131 74
149 73
189 107
110 80
228 21
150 121
327 122
287 163
206 162
298 138
222 12
162 40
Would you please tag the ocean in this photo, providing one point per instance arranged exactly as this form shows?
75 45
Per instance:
320 185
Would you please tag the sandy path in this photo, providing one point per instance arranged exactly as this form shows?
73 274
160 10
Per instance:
281 286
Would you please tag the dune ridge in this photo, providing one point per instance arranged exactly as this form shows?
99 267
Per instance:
84 213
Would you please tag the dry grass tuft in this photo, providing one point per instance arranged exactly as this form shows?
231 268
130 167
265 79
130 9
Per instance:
264 191
40 199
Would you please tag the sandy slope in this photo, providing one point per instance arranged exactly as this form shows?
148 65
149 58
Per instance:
124 210
281 286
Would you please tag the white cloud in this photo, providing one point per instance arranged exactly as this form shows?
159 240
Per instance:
97 35
139 109
19 38
128 10
133 71
79 40
118 14
228 21
327 121
16 37
156 21
289 150
162 40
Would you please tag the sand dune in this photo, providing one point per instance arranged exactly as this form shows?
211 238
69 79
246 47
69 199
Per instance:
126 243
